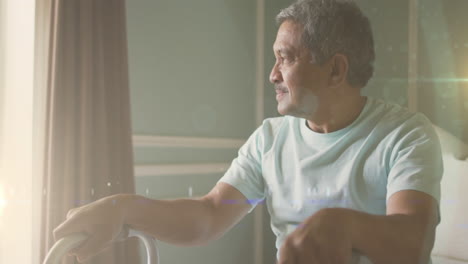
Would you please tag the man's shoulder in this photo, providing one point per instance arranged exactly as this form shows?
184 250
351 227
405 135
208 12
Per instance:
391 109
397 115
397 122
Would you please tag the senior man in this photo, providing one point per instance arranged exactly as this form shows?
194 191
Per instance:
346 178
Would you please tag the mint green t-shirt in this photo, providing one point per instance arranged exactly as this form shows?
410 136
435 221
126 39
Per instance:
297 171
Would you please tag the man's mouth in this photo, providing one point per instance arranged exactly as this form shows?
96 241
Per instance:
280 93
281 90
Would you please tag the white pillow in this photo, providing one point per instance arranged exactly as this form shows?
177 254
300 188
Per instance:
452 232
445 260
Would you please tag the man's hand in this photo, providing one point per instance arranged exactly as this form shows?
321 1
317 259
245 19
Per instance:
324 238
183 222
102 221
405 235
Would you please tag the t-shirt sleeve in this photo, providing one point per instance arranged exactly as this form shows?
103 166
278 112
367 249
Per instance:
416 162
245 172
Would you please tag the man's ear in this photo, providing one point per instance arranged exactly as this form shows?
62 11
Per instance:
338 69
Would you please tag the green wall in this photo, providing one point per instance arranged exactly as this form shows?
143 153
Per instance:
192 67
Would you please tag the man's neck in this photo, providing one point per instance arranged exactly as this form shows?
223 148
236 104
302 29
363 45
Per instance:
337 114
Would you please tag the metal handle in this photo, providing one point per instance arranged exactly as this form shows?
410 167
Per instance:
152 254
61 247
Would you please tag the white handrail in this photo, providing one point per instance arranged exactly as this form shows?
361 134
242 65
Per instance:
61 247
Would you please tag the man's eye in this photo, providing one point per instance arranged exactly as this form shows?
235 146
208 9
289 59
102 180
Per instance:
287 59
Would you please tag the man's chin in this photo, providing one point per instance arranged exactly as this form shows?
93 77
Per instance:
284 111
281 111
289 111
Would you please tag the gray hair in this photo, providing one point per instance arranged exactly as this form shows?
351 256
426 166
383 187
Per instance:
335 26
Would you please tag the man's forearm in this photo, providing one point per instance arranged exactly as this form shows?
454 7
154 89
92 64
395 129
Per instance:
391 238
182 222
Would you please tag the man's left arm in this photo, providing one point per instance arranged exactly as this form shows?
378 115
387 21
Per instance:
404 236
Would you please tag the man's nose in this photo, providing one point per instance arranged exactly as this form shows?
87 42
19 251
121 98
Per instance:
275 75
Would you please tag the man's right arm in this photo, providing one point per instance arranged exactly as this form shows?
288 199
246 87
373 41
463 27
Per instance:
188 222
180 222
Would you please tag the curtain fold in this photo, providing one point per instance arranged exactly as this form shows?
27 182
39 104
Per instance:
87 148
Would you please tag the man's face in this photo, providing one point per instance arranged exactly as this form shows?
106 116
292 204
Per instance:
299 82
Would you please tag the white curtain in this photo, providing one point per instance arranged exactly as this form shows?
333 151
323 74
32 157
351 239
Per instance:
16 86
84 144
